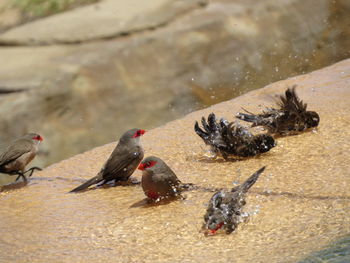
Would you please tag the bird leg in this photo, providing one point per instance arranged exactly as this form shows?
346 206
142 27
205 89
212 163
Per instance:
31 170
20 174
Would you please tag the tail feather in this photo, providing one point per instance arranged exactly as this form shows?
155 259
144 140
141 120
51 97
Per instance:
213 126
88 183
205 125
251 180
247 117
200 132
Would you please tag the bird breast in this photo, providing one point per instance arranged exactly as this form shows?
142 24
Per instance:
20 163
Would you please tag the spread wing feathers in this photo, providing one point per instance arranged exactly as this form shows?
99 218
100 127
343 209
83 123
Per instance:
290 109
14 151
212 131
290 102
223 136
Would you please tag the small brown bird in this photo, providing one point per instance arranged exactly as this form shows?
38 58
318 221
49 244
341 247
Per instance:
291 117
158 180
232 139
18 154
123 161
225 208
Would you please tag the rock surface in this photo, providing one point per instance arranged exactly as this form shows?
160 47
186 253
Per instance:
105 19
177 56
299 205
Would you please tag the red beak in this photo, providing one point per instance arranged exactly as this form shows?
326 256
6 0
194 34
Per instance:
139 133
213 231
141 167
38 138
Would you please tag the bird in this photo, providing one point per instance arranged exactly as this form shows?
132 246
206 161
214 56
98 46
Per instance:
159 181
232 138
291 116
19 154
225 207
122 162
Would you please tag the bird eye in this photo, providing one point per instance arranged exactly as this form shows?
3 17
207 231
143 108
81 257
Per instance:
138 133
149 164
38 138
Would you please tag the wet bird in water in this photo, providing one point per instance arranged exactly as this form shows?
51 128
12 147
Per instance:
158 180
225 207
232 139
18 154
123 161
290 118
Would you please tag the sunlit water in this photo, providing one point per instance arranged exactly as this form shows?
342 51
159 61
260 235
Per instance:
300 204
339 252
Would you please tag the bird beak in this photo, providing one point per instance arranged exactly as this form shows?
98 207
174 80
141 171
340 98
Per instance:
38 138
141 167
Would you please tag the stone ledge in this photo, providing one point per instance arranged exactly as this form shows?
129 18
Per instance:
207 56
106 19
307 177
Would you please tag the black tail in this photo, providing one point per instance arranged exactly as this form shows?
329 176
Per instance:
251 180
247 117
88 183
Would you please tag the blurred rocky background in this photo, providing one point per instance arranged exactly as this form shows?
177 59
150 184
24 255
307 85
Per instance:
80 72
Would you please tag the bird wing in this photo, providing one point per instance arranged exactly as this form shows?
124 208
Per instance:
166 179
121 160
15 150
167 174
211 133
291 102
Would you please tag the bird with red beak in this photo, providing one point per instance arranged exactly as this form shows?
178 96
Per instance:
225 207
158 180
122 162
19 154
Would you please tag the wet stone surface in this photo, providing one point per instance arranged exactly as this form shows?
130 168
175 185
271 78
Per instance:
299 205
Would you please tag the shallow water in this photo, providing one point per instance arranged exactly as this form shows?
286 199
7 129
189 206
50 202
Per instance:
339 252
299 205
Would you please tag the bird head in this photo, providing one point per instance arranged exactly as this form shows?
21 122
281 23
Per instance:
36 138
132 135
155 165
265 142
312 119
138 133
216 215
150 163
